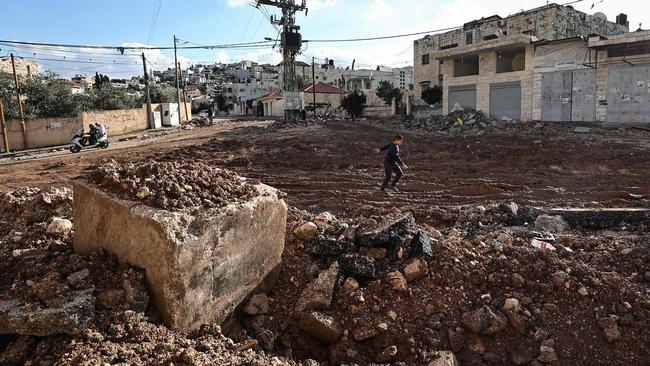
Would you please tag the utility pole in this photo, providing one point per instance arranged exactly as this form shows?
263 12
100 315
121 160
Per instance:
150 122
178 92
313 82
291 44
5 138
29 72
20 103
187 117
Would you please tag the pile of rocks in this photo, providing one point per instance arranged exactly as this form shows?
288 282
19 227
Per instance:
454 122
386 290
200 122
172 185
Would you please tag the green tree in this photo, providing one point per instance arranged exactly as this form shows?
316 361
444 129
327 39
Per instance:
387 92
221 103
48 96
301 81
162 93
354 104
107 98
432 95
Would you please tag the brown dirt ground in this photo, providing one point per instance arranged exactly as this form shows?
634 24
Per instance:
332 167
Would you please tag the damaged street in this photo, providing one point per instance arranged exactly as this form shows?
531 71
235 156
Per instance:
450 266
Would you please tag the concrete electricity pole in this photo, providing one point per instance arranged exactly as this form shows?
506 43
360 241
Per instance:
291 43
187 117
313 82
20 103
150 123
178 92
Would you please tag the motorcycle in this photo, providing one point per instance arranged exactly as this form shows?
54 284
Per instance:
80 141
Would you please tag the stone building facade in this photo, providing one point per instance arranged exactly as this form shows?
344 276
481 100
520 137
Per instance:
549 22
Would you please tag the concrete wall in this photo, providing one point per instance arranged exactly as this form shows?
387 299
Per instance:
41 132
378 111
44 132
487 75
117 122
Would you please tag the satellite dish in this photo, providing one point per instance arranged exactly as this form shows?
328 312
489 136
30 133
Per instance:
600 16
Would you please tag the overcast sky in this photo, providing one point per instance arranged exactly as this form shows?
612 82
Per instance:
131 22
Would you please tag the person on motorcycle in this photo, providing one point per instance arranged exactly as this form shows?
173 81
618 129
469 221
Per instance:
101 130
92 134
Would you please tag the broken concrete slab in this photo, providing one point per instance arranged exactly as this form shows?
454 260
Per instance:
603 218
358 265
199 266
387 233
318 294
72 317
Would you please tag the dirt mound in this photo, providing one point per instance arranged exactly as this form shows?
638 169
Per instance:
171 185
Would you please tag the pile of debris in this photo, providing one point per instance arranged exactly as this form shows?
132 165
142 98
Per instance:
481 291
60 308
199 122
461 122
497 284
172 185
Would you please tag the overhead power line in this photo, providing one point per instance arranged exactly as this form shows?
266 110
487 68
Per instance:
154 18
216 46
379 38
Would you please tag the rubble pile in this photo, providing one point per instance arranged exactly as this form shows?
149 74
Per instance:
387 290
60 308
199 122
171 185
463 122
495 284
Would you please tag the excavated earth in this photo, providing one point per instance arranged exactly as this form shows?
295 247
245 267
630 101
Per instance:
458 273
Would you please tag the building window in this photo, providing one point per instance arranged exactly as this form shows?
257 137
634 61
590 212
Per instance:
425 59
466 66
469 37
641 48
510 60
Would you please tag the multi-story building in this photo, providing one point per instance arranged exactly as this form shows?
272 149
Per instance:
488 64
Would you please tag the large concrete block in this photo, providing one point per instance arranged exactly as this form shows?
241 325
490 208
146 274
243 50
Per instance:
199 267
